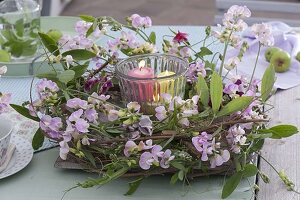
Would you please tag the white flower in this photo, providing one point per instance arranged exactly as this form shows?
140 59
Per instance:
64 150
85 141
235 41
232 63
133 106
69 59
167 98
184 52
263 32
3 70
184 121
161 113
113 115
233 19
239 11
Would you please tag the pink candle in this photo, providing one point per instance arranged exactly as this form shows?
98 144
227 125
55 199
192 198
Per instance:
142 90
141 72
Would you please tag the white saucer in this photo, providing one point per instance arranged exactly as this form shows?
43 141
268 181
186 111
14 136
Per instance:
21 157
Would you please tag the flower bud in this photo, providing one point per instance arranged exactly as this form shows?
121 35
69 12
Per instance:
133 162
195 133
264 177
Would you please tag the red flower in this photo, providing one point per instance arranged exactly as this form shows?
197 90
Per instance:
180 37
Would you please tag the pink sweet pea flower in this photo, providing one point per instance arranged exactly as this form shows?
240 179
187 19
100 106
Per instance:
130 146
77 103
82 125
202 144
133 107
64 149
219 159
166 158
161 113
180 37
146 160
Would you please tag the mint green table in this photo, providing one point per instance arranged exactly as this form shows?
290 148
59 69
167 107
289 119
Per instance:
41 181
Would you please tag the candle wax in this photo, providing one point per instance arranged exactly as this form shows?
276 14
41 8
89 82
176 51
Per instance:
141 72
142 90
166 85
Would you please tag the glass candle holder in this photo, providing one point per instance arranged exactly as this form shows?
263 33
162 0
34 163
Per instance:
144 78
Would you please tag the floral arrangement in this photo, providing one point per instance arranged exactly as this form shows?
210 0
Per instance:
217 128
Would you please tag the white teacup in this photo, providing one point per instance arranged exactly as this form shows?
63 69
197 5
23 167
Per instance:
6 128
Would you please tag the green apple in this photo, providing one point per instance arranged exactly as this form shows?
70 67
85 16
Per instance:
270 51
281 60
298 56
4 56
55 34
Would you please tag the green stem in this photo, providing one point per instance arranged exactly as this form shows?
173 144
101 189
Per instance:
223 58
277 172
137 31
145 35
257 56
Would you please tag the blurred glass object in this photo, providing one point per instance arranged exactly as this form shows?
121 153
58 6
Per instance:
19 27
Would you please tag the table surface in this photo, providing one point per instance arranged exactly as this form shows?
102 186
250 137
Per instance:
41 181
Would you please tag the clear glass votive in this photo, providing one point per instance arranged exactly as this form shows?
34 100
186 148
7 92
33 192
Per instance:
144 78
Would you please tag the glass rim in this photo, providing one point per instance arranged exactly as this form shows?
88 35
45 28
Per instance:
120 74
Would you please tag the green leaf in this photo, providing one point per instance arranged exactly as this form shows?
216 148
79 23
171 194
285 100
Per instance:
52 75
249 170
283 131
267 83
87 18
66 76
134 185
167 43
79 54
104 179
91 29
235 105
231 184
152 37
29 50
24 111
20 27
181 175
257 146
79 70
38 139
216 91
259 136
204 51
16 49
174 178
89 156
178 165
172 31
49 43
202 90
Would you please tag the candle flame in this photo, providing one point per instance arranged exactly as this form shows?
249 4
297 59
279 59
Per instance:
142 64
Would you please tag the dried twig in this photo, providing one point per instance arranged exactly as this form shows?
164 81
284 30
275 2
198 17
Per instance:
181 136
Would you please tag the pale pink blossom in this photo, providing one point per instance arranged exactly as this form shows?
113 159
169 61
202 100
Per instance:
263 32
3 70
133 107
231 63
64 149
